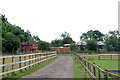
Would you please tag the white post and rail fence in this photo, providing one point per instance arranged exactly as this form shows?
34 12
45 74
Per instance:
15 63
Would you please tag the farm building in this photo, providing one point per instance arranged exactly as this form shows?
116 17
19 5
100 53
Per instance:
29 47
65 47
99 43
61 48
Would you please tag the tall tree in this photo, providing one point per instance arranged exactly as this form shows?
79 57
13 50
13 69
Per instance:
45 46
18 35
66 39
36 38
57 43
74 47
92 45
92 35
12 43
111 44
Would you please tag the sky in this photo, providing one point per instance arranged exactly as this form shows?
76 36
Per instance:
50 18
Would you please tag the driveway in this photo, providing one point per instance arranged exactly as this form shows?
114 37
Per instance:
60 68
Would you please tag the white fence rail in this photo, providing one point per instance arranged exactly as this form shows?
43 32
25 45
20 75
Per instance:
18 62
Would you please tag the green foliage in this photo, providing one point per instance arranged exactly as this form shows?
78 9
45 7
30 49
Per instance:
36 38
92 35
74 47
66 39
13 36
11 42
92 45
57 43
119 44
111 43
45 46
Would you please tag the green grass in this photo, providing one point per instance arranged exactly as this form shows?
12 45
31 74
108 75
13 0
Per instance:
78 69
106 64
103 63
21 73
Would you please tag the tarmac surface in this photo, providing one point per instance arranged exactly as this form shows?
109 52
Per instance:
60 68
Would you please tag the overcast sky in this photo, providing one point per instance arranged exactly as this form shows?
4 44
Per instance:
50 18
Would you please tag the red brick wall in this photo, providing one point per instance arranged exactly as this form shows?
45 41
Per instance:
61 49
28 48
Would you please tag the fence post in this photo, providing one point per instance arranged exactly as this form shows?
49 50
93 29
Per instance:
32 60
29 60
105 76
85 65
94 70
25 62
35 59
3 70
12 62
99 57
111 57
20 62
99 74
38 58
88 66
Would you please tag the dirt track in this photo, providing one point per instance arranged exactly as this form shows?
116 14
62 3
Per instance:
60 68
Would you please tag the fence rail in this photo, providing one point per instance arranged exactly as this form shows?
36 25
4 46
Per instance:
19 62
91 68
103 56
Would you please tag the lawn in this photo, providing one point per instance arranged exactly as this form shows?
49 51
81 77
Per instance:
104 63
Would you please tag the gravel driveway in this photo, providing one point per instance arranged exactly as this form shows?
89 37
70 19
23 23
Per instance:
60 68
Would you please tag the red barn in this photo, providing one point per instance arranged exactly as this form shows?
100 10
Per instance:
61 48
29 47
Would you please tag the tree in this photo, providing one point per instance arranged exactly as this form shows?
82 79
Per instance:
57 43
66 39
119 44
74 47
111 44
92 35
11 42
36 38
45 46
16 34
91 45
0 33
114 33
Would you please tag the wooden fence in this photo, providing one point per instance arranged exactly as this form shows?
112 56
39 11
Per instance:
19 62
103 56
95 71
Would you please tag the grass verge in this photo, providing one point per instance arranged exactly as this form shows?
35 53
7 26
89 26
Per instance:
22 73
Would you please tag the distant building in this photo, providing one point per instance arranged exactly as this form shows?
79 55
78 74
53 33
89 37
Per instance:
29 47
82 43
65 47
61 48
99 43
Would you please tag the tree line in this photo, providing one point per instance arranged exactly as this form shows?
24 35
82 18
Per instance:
111 40
13 37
